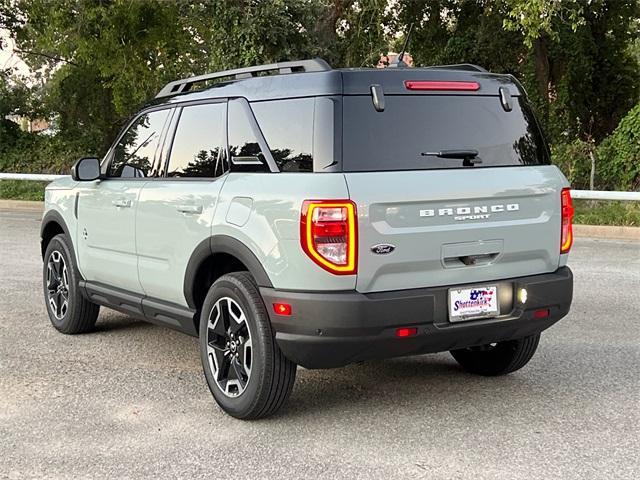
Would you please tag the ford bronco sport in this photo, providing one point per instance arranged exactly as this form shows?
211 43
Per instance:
293 214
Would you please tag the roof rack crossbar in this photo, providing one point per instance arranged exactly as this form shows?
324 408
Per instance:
184 85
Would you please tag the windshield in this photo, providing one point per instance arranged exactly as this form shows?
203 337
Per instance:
412 128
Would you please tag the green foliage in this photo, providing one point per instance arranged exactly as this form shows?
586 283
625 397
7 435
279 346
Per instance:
588 212
37 153
574 161
536 18
20 190
619 155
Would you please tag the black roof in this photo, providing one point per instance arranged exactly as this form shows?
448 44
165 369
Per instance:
316 78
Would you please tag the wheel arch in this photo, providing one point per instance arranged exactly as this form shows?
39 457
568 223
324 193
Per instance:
231 255
52 224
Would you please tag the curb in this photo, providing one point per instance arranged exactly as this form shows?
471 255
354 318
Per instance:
22 205
581 231
607 231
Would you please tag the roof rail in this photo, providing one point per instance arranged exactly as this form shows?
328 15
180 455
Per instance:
461 66
184 85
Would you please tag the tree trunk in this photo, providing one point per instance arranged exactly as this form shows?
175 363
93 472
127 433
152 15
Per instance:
541 59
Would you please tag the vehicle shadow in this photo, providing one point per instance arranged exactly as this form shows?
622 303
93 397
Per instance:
110 321
412 382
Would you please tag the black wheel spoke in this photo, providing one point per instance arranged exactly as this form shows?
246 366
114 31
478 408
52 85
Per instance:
237 328
240 374
216 346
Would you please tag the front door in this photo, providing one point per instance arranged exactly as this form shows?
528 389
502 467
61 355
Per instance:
107 208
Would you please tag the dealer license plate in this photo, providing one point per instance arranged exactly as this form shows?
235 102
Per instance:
473 303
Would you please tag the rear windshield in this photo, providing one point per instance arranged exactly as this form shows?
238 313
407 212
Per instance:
413 129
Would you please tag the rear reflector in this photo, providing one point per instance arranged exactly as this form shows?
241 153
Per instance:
566 236
282 309
544 313
436 85
406 332
328 234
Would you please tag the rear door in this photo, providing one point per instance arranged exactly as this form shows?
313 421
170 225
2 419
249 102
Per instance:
176 211
428 218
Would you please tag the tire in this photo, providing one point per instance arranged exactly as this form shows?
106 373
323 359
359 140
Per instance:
69 311
497 359
247 374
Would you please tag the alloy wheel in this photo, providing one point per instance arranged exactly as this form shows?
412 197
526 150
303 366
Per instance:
57 285
229 347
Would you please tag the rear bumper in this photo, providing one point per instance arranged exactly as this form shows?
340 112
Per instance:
335 329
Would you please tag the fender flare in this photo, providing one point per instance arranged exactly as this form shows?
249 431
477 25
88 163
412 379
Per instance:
53 216
222 244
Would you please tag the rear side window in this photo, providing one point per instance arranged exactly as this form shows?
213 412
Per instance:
413 127
135 154
287 126
198 148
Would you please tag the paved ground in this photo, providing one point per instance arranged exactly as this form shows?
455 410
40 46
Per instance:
130 400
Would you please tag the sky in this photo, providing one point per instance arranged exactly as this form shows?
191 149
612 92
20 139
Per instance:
9 59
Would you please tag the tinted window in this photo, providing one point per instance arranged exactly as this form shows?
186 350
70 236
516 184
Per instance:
287 126
244 149
412 125
198 145
135 153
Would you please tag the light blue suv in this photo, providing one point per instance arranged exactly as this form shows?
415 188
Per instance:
292 214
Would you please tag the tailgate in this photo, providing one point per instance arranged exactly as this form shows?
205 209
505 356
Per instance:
448 227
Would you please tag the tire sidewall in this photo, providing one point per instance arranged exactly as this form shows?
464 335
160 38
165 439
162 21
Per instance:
60 243
256 315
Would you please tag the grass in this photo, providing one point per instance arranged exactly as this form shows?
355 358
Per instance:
22 190
588 212
600 212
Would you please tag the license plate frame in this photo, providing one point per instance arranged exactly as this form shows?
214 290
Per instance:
476 311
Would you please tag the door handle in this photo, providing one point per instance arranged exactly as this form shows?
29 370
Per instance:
121 203
193 209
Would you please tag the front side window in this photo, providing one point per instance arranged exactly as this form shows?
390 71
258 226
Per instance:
244 147
287 126
198 148
137 154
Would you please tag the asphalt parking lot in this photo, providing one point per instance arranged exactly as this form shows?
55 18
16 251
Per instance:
130 400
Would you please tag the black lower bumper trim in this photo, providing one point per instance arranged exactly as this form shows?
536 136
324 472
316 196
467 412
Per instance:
329 330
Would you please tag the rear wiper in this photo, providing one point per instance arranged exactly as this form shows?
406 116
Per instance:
469 156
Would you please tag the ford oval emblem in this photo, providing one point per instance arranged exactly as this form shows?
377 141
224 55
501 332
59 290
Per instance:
383 248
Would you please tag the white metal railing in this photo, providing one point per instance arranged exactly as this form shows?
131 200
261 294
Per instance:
38 177
582 194
601 195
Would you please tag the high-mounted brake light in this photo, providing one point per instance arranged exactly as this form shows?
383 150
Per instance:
566 236
439 85
328 234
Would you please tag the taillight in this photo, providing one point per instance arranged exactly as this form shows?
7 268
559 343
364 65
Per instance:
328 234
566 237
440 85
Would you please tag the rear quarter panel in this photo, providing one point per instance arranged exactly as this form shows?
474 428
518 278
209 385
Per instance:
262 210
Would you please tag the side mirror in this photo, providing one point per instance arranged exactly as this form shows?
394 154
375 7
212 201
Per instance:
86 169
